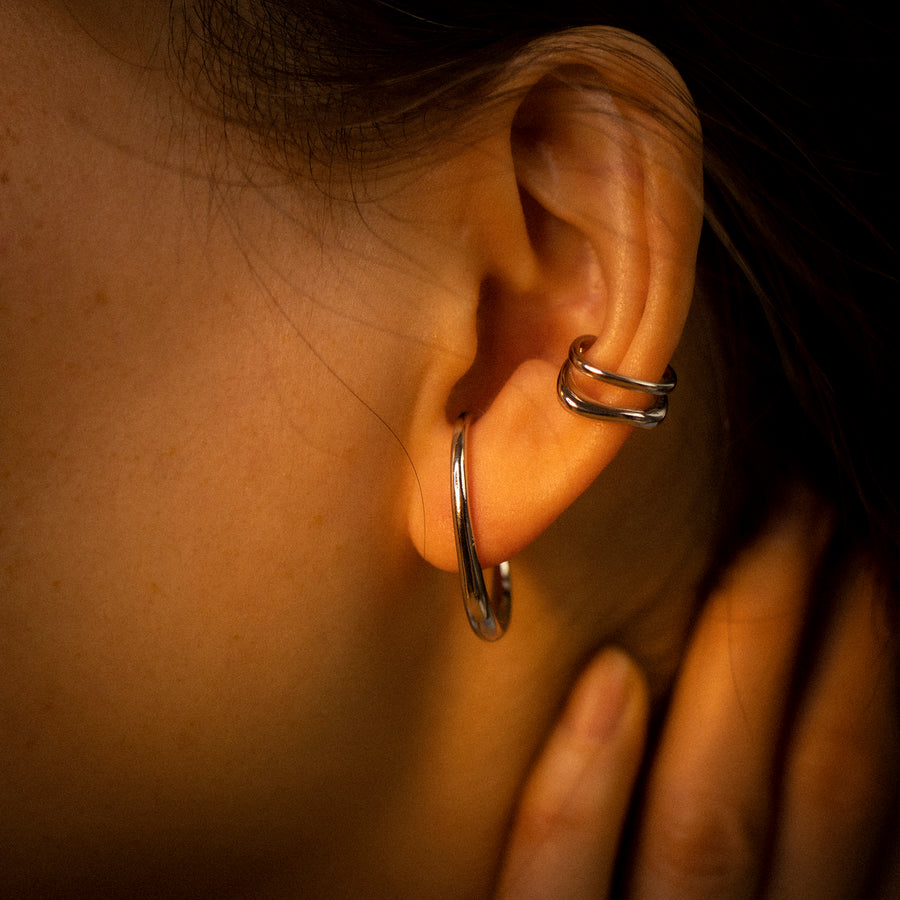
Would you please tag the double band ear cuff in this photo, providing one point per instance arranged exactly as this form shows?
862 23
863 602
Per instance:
488 615
576 402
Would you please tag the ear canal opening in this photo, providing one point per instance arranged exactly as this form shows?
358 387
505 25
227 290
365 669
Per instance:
482 381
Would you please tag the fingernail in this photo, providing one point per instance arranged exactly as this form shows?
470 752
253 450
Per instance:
603 695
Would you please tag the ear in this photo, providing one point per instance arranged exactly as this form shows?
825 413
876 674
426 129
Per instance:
597 191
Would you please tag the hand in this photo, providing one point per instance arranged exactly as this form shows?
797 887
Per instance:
565 836
757 787
777 770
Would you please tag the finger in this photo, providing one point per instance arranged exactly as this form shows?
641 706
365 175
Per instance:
567 828
707 811
841 777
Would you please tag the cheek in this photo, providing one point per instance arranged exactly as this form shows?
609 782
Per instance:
181 559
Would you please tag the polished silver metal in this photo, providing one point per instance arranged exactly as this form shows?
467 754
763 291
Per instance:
488 615
576 402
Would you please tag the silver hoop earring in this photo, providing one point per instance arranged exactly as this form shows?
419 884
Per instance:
488 616
576 402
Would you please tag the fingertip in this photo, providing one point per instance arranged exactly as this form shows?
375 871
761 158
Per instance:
610 694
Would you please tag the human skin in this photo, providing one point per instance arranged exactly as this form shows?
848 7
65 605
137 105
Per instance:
225 662
756 789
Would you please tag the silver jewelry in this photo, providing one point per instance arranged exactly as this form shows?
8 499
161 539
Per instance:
574 400
489 617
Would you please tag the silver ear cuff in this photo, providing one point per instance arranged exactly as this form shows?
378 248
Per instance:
488 615
576 402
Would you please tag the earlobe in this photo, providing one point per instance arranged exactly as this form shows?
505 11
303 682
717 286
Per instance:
606 163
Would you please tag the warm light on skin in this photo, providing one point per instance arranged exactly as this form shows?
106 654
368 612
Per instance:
218 637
